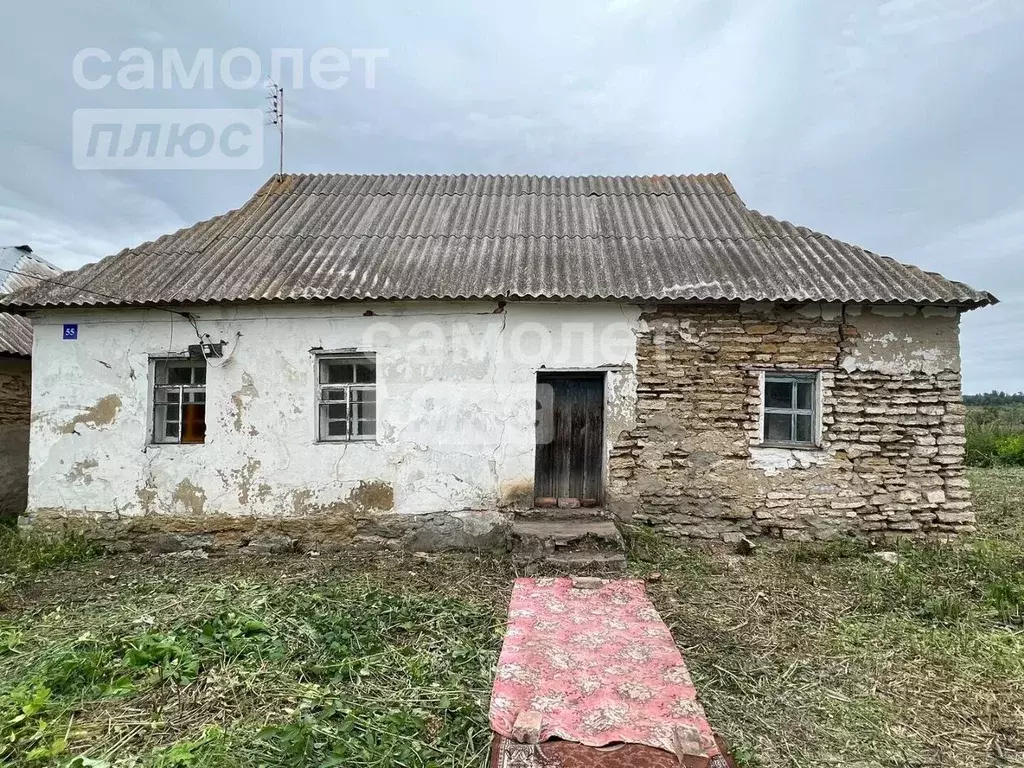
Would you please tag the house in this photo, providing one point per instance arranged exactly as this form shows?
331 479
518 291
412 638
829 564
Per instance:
19 268
389 361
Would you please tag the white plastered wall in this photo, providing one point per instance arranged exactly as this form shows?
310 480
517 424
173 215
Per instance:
456 405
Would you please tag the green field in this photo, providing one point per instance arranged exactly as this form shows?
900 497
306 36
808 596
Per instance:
995 435
810 656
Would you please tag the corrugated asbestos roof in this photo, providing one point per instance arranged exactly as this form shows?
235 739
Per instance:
19 269
650 238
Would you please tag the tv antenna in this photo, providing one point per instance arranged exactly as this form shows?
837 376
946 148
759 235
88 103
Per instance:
275 112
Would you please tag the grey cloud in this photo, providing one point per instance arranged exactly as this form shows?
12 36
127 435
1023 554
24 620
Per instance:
894 125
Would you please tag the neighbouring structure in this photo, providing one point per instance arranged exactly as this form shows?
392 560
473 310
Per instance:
411 361
19 268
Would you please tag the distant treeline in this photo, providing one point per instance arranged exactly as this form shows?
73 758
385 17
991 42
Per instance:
995 398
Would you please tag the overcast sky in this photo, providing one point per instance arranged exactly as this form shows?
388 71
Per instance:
894 125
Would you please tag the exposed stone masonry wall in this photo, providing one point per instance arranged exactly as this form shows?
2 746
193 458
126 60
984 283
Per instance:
15 396
890 458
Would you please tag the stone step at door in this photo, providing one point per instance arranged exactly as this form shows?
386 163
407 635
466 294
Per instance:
568 545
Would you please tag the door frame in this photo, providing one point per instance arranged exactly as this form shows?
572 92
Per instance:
594 374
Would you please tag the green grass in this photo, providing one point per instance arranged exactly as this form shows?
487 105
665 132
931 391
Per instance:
804 656
230 664
995 435
29 552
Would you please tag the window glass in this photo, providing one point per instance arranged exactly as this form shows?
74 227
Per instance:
789 409
179 401
778 394
778 426
338 373
365 373
805 395
803 428
177 374
348 398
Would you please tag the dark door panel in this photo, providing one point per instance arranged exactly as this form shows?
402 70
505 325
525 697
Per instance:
570 436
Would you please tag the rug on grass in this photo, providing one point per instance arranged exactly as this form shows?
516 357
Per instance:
566 754
600 667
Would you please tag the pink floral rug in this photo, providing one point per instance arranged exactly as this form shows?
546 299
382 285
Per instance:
600 667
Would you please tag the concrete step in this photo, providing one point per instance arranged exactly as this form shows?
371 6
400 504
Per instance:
541 539
559 513
576 563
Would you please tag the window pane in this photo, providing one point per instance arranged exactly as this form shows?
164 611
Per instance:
179 374
166 396
334 394
365 373
171 429
805 395
366 427
337 412
778 394
778 427
199 374
803 429
364 395
337 428
193 427
336 372
365 411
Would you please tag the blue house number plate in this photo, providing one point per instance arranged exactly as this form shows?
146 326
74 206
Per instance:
70 331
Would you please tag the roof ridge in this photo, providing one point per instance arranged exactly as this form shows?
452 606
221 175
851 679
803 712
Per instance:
523 193
273 236
719 175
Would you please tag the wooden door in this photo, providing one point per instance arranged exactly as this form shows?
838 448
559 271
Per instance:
570 436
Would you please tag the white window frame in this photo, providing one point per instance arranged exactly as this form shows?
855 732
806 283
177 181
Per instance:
792 377
186 393
342 395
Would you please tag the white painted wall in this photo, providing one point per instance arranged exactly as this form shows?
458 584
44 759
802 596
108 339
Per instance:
456 404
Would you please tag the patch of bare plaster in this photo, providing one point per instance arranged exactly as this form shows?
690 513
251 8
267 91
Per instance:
367 497
517 494
622 402
147 496
244 478
101 414
899 340
190 496
772 461
80 471
243 395
372 496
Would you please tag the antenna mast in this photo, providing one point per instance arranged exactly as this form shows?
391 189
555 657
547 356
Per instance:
275 100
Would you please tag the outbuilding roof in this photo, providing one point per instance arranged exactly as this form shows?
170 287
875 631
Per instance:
648 238
19 268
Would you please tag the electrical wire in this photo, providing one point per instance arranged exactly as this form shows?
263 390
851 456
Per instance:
191 319
84 290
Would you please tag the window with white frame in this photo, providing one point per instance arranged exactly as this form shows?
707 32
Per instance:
179 401
790 409
346 397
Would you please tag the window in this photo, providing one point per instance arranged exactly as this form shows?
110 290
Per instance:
790 409
179 401
347 397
